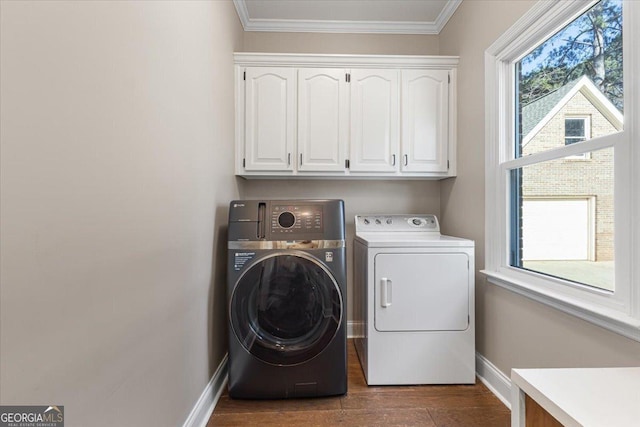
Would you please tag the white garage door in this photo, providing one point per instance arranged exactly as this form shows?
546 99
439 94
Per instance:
557 229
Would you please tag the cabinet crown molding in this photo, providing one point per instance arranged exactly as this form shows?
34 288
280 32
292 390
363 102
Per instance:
344 60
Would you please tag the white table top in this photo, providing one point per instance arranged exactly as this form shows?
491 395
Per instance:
585 396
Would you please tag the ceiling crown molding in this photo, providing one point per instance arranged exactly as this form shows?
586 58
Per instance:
361 27
447 12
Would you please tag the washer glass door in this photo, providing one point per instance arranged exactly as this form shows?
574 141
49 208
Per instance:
286 308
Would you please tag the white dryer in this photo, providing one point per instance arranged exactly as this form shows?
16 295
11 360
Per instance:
414 292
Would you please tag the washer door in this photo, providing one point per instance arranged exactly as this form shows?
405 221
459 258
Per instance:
286 308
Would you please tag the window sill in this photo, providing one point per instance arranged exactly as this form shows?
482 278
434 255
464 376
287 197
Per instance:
610 319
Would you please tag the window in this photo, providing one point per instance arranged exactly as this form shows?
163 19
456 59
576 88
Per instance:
576 129
561 231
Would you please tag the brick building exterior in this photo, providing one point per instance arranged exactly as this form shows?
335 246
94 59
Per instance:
585 177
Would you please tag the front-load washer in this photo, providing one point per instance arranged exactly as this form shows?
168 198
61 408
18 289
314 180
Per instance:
414 292
287 299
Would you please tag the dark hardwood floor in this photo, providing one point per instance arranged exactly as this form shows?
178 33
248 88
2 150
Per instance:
428 406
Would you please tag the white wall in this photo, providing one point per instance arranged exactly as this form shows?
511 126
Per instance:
116 173
512 331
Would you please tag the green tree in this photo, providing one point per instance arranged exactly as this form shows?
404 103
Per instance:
591 45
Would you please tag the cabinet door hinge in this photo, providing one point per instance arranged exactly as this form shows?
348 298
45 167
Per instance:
244 163
449 78
348 77
347 164
447 164
244 76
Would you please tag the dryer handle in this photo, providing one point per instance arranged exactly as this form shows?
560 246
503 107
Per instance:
385 292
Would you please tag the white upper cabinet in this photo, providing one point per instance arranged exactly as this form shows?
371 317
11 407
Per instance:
375 116
270 118
345 116
425 125
322 119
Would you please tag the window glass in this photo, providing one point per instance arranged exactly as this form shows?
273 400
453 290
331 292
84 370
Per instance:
564 220
569 90
577 71
575 130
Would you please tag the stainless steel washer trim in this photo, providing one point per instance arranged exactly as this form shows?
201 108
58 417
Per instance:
287 244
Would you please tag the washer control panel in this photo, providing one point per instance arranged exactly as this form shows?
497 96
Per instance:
291 219
397 223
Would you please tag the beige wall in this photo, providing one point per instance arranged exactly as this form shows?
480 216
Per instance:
116 172
359 196
512 331
373 44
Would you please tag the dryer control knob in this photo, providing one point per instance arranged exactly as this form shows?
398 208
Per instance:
417 221
366 221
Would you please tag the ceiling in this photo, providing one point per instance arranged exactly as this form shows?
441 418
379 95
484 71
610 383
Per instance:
346 16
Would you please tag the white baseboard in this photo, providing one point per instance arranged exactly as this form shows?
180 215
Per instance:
494 379
201 412
354 329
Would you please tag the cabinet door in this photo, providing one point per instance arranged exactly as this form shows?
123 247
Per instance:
374 120
269 118
322 119
425 120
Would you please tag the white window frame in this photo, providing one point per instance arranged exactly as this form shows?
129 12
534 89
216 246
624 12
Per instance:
618 311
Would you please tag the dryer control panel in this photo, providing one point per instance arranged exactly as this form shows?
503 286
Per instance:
397 223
